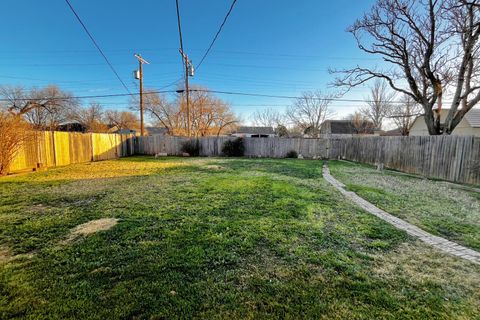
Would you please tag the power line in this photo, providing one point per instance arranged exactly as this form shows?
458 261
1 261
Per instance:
88 97
179 25
217 34
250 94
96 45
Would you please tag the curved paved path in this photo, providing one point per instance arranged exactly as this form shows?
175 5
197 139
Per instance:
437 242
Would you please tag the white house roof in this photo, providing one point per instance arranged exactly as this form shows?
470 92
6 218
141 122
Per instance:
473 118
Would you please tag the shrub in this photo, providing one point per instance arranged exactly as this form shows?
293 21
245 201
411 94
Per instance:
192 147
234 148
292 154
13 132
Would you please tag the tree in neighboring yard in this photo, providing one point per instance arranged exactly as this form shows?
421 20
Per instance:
209 115
282 131
91 117
310 110
43 108
122 120
13 132
378 103
162 111
404 114
361 123
429 47
270 118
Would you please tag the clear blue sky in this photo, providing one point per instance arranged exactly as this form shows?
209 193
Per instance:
267 46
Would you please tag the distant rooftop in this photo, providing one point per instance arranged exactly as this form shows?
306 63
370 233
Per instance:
342 127
255 130
156 130
473 118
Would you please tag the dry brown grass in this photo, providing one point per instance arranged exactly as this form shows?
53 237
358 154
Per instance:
92 227
5 255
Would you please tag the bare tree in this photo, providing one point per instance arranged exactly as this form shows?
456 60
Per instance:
162 111
122 120
310 111
361 123
268 118
378 103
209 115
429 47
44 108
13 132
404 114
91 117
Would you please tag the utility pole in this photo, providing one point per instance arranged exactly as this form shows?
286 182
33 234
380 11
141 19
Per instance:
189 72
139 76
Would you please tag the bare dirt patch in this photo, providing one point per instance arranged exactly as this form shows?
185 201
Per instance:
92 227
5 255
214 167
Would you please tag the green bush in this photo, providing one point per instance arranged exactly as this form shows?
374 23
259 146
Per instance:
292 154
192 147
234 148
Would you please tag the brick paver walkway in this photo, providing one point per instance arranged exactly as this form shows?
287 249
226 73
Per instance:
437 242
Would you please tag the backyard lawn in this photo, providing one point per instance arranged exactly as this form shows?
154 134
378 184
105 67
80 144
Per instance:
441 208
229 238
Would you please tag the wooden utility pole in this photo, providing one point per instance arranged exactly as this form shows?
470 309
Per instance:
141 61
187 91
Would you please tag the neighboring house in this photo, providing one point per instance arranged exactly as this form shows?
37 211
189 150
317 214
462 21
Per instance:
151 131
469 126
71 127
345 127
115 129
389 133
254 132
126 131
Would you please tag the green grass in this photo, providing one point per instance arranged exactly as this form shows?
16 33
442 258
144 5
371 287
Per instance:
213 239
439 207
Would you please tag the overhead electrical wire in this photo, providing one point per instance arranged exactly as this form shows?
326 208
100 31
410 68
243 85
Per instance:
179 25
97 46
217 34
100 96
89 96
282 96
249 94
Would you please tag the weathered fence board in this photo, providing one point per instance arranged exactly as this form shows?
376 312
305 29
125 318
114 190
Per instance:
254 147
51 149
453 158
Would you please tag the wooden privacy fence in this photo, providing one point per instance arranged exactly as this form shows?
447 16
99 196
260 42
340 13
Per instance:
50 149
254 147
453 158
